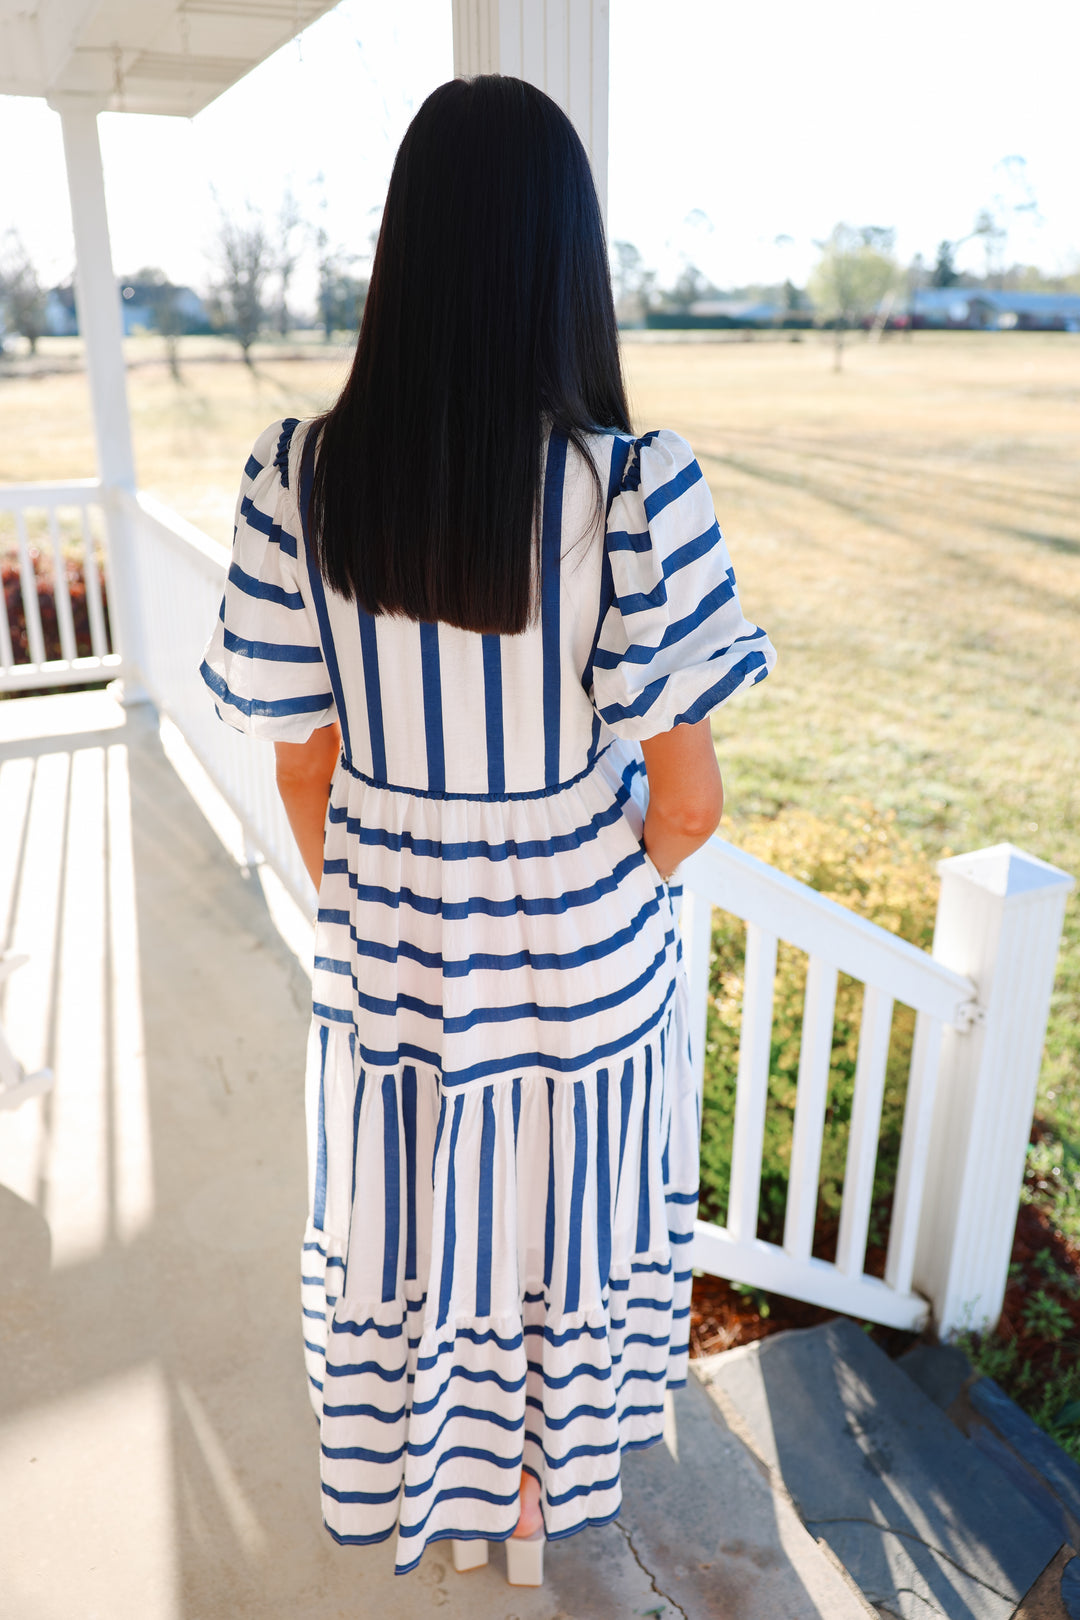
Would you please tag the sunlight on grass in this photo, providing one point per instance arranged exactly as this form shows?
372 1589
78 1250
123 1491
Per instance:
908 532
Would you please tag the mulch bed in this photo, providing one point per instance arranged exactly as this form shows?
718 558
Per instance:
722 1316
1036 1241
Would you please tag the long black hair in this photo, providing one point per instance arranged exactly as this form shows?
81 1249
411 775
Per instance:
489 320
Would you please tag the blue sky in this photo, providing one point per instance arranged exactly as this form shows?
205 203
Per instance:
731 127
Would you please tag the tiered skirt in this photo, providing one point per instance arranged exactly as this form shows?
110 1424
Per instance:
496 1271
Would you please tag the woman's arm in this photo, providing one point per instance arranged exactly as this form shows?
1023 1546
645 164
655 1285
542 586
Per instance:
304 771
686 795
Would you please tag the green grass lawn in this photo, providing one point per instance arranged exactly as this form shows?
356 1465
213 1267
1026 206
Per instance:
909 533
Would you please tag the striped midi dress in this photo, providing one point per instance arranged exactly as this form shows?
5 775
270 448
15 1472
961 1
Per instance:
502 1118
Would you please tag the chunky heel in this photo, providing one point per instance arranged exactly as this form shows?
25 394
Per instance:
469 1554
525 1559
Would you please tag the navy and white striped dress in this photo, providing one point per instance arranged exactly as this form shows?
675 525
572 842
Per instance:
503 1124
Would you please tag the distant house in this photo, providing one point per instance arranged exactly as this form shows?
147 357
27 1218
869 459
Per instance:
60 317
993 310
151 306
144 307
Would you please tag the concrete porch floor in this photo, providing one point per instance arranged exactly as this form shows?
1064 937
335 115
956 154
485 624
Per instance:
158 1455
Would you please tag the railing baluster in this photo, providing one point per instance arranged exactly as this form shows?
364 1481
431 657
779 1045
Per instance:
99 641
755 1045
815 1050
6 655
61 595
697 945
874 1033
914 1152
35 641
41 665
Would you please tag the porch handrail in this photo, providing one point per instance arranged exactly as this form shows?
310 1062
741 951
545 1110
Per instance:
180 573
980 998
50 493
183 537
750 888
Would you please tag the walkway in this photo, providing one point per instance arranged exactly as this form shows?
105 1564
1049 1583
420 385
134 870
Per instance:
157 1451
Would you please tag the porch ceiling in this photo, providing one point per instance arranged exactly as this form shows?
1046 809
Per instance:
142 56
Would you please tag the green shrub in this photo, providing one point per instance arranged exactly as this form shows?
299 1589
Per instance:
862 860
1049 1392
1045 1316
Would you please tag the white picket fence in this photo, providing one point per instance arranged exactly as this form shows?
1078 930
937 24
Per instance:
981 999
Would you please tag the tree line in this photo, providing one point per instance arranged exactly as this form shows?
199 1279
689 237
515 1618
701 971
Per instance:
856 281
255 262
858 277
254 259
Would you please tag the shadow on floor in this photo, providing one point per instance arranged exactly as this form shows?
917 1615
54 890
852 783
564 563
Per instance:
158 1455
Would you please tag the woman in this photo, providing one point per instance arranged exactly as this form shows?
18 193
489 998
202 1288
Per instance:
485 626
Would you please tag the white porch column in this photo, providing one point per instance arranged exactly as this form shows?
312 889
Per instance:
559 45
95 290
999 922
101 329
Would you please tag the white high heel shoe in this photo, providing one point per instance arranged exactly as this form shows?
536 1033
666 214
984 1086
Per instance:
525 1559
469 1554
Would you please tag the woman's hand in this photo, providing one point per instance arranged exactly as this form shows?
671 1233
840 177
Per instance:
304 771
686 795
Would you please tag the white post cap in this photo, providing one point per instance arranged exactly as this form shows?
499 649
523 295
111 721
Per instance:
1005 871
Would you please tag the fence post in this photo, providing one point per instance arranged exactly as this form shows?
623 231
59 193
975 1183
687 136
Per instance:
998 922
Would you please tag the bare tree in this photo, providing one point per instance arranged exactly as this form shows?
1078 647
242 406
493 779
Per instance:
633 284
164 299
856 269
21 292
245 260
342 295
289 250
689 285
994 235
170 324
1014 198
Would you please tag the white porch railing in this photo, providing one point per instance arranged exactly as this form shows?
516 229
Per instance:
981 1000
776 907
59 522
180 577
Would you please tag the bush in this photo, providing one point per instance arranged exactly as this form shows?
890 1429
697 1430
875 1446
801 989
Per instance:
862 860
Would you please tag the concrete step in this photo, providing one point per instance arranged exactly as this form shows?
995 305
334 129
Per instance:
924 1522
1033 1463
152 1466
996 1426
716 1533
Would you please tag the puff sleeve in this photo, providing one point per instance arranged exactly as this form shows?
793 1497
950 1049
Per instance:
673 642
264 662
